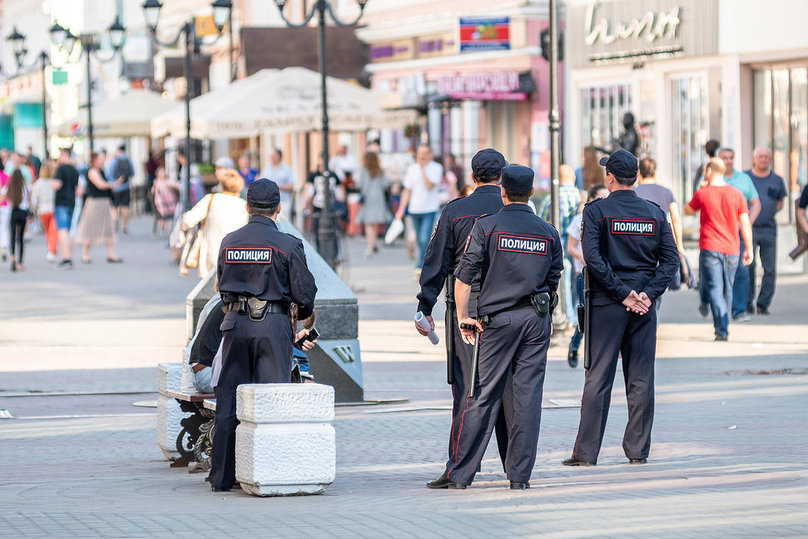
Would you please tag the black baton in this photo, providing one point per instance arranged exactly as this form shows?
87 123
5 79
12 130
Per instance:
587 320
475 356
450 322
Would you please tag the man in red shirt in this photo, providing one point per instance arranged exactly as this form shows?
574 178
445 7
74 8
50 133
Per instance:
723 209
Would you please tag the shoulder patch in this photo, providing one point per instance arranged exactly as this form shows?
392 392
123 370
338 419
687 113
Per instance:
523 243
631 226
245 254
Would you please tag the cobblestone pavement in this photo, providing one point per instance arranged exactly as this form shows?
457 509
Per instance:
728 458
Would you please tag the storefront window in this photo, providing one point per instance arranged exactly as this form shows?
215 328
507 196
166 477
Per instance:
781 122
602 110
689 129
780 117
799 126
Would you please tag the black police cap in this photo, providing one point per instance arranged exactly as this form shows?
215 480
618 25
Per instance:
487 163
622 164
263 193
517 179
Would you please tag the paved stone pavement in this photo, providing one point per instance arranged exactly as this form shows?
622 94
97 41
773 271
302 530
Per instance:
78 348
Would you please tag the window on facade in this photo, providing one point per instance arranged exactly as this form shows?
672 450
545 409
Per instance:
602 110
781 121
689 116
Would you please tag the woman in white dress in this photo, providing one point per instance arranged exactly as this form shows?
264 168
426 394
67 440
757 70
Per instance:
221 213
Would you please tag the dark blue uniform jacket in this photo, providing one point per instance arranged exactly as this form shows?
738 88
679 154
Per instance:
627 245
261 261
449 240
520 251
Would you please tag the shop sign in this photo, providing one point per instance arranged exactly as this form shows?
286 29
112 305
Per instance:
439 45
484 34
499 86
393 51
24 85
610 31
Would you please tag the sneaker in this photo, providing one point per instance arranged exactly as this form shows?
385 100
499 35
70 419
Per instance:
572 358
50 257
721 337
66 264
743 317
704 310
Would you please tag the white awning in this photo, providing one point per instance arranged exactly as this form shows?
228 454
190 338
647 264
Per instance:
286 101
129 115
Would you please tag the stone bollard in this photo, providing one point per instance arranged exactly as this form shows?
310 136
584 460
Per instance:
285 443
169 414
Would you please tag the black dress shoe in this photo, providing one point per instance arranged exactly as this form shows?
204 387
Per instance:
572 461
516 485
637 461
763 310
444 482
572 358
214 489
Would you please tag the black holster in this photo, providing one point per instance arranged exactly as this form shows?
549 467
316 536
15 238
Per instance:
256 308
544 303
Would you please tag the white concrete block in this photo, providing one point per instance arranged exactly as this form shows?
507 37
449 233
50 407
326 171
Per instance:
169 377
285 443
169 414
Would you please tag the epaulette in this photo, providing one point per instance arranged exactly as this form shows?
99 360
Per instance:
593 201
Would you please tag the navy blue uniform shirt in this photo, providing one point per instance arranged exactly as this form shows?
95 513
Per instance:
449 240
627 245
521 253
261 261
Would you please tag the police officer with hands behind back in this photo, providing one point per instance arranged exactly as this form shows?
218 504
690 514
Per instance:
445 249
261 271
519 258
631 257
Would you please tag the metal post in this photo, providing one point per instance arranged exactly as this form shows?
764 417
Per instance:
325 230
186 179
88 51
44 58
555 146
555 120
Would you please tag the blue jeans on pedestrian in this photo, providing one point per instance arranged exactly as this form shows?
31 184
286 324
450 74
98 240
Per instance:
423 224
717 272
740 288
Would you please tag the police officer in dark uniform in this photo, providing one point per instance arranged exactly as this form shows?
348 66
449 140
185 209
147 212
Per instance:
631 257
261 271
445 249
519 259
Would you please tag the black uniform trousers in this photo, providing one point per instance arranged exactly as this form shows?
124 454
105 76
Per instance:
513 355
614 331
461 371
258 352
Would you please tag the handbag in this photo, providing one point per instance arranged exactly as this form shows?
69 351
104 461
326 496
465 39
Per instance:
190 258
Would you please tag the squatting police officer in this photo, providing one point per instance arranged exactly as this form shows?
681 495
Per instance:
630 256
445 249
261 272
519 259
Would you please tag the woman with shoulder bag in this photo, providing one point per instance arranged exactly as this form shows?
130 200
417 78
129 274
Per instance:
218 214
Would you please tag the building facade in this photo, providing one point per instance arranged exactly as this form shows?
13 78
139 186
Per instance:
473 68
689 71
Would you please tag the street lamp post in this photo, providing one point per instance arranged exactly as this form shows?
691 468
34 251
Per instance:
66 40
555 117
326 232
221 14
17 41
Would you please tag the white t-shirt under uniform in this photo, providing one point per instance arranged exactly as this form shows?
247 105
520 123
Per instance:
423 200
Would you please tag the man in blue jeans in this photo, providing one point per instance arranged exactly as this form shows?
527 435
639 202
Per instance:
723 210
421 197
772 190
743 183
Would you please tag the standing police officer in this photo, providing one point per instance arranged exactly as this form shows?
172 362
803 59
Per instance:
519 260
261 271
631 257
445 249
